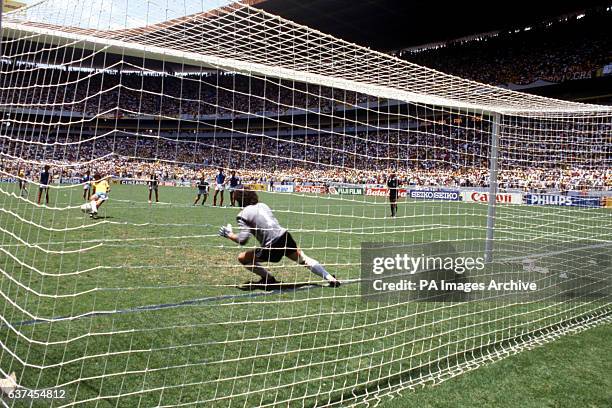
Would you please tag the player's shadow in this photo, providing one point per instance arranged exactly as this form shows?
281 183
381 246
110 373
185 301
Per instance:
103 217
278 286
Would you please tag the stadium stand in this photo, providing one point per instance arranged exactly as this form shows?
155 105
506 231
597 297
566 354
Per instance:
572 48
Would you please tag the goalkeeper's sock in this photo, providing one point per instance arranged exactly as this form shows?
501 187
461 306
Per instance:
94 208
315 267
318 269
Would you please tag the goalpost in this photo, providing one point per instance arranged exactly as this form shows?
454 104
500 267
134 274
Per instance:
146 305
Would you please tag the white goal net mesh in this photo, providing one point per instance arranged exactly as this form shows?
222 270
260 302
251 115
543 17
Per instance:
144 304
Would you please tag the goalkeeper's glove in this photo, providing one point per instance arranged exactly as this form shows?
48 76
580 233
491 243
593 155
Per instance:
225 231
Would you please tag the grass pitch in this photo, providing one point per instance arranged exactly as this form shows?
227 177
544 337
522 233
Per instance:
141 307
570 372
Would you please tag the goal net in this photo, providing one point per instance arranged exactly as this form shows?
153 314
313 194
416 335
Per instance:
144 304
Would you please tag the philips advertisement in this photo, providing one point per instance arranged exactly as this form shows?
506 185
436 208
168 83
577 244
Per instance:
562 200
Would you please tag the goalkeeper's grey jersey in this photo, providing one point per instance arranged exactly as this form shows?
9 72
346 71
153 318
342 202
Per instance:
259 221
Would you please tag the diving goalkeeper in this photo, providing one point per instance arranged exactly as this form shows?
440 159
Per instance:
258 220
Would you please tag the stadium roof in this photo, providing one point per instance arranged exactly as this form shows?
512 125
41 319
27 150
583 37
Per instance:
393 24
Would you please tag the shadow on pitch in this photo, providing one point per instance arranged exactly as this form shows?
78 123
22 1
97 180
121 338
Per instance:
102 217
278 286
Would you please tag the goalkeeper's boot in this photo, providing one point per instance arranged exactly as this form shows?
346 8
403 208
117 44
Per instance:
334 283
268 283
270 280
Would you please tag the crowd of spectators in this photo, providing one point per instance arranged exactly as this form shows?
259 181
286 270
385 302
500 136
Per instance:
554 52
449 157
566 156
568 49
130 94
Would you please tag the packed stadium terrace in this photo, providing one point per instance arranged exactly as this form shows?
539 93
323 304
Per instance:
455 157
444 156
96 92
555 52
568 49
558 51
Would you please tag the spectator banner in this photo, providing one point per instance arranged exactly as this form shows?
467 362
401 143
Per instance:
257 187
501 198
562 200
8 180
283 188
446 195
310 189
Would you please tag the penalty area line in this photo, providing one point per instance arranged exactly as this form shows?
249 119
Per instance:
163 306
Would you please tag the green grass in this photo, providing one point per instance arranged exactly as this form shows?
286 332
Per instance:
573 371
314 346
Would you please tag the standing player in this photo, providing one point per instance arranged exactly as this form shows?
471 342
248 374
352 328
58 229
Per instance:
203 188
43 188
258 220
234 181
393 184
101 188
153 184
86 181
219 187
23 183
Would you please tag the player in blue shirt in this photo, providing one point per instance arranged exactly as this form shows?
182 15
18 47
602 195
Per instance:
86 181
219 187
233 184
45 178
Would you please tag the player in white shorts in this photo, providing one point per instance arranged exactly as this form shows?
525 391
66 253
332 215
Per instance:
86 181
219 187
101 189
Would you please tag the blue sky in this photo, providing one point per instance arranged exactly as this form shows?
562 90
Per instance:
115 14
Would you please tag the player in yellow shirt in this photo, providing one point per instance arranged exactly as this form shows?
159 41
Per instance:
101 188
23 183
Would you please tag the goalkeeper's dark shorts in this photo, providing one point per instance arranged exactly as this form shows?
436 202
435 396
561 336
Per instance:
285 245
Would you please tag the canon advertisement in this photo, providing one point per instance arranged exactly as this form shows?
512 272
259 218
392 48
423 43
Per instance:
501 198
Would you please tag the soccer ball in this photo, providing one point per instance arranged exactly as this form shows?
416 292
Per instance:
86 207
